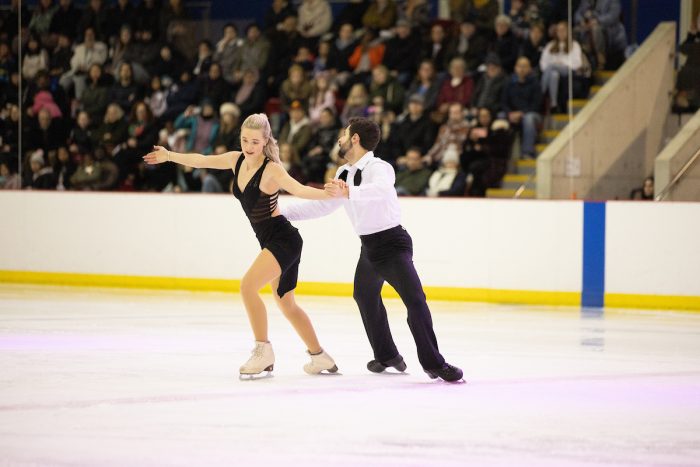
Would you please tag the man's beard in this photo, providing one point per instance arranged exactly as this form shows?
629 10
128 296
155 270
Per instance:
343 150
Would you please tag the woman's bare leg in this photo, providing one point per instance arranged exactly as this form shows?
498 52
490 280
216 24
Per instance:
298 317
264 269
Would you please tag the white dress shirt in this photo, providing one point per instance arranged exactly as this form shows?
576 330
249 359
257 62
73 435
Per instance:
372 207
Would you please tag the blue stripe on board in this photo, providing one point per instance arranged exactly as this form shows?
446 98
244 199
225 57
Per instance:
593 287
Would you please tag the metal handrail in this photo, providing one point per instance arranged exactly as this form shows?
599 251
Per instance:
662 194
522 188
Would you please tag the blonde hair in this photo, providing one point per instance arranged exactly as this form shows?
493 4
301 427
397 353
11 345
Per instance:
260 122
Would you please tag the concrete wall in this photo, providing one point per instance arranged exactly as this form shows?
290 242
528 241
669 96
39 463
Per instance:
672 159
619 132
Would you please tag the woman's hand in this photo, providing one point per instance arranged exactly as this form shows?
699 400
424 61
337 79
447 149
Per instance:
157 156
337 189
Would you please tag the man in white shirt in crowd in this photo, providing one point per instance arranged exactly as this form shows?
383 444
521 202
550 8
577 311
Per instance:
365 188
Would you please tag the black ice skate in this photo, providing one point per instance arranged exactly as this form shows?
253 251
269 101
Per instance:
448 373
375 366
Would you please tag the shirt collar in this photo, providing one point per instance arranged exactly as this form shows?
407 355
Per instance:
364 160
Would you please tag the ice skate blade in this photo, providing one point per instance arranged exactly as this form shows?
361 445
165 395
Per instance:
459 381
433 376
333 371
393 373
255 376
249 376
328 374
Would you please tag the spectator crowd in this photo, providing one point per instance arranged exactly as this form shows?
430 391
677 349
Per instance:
104 82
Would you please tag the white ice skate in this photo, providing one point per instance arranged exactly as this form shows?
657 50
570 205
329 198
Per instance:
262 358
320 363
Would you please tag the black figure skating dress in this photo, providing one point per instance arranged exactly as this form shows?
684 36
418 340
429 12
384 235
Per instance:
276 234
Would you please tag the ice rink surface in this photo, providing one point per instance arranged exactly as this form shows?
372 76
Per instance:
97 377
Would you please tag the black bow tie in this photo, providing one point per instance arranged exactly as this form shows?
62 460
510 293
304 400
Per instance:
357 179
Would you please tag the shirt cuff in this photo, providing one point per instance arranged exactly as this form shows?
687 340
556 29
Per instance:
351 190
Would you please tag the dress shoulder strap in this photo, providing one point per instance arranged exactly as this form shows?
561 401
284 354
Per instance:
238 167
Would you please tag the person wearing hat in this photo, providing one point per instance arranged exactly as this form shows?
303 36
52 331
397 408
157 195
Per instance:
42 174
414 127
488 90
297 131
365 188
448 179
504 43
229 127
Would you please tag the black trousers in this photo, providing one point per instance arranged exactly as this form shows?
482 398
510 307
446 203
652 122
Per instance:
388 256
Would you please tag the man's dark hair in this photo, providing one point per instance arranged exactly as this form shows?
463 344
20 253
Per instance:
367 130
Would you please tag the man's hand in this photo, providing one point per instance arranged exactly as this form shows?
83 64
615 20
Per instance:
337 188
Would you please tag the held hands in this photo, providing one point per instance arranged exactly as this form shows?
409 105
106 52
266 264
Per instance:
337 188
158 155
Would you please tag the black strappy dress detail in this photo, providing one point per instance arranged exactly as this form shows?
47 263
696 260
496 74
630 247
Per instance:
276 234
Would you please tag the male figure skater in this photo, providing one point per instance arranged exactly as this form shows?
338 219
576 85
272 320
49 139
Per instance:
365 187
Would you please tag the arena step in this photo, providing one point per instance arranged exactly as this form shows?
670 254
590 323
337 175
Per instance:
594 90
558 121
602 77
526 166
515 181
509 193
547 136
577 104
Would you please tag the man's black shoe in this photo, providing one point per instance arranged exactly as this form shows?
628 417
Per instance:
375 366
447 373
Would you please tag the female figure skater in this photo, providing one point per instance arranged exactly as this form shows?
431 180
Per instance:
256 183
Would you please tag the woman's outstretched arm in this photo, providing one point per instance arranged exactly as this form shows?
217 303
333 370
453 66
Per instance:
291 186
198 161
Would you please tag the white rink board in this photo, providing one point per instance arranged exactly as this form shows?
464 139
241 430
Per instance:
653 248
499 244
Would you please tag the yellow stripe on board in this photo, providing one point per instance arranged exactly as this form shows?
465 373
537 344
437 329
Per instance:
659 302
132 282
345 290
303 288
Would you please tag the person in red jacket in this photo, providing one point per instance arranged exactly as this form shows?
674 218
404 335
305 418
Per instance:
368 54
457 87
